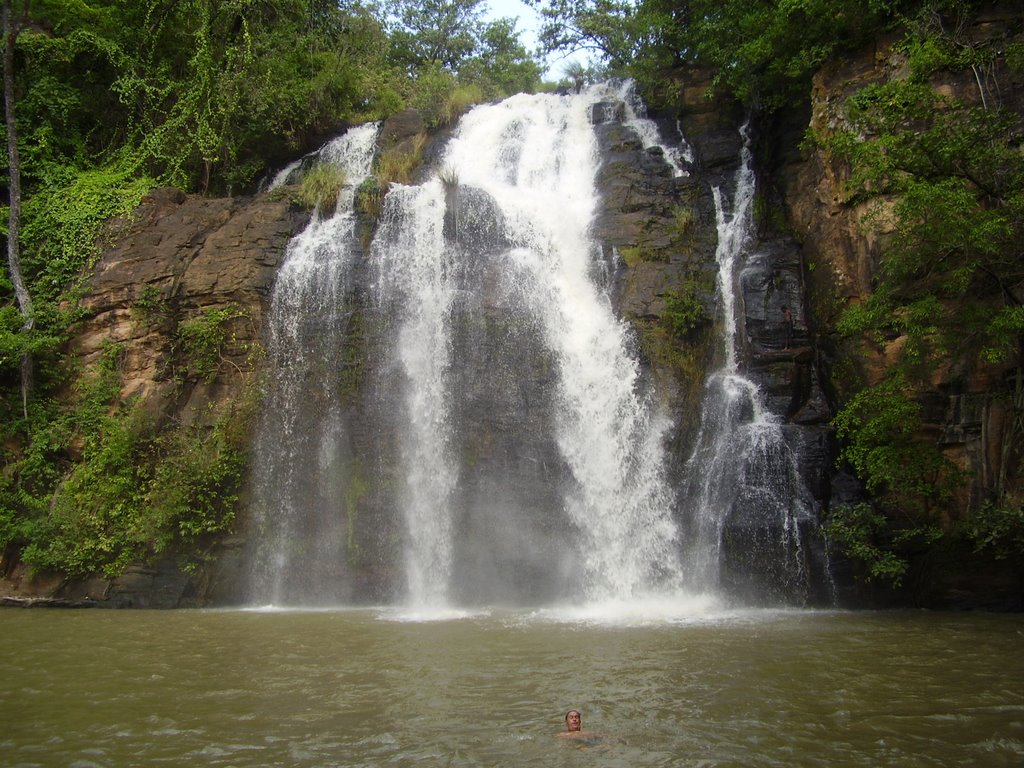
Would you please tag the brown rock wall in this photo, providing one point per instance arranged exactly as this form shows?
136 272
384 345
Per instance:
176 257
965 410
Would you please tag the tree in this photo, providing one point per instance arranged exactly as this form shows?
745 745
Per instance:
761 51
429 32
13 23
502 66
612 29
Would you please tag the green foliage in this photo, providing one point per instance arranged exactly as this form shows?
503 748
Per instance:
633 255
682 222
458 102
998 529
370 198
444 57
501 66
611 29
865 535
201 341
397 164
41 343
196 480
131 494
231 82
880 428
683 310
134 496
1003 334
64 219
763 52
431 33
942 178
152 306
1014 55
429 92
203 93
945 177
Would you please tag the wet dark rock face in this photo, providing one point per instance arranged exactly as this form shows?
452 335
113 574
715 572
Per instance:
644 209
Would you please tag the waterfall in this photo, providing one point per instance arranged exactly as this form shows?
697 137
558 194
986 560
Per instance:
743 484
502 445
517 184
677 155
455 416
297 461
411 258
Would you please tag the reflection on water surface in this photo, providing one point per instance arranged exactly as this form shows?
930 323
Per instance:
370 688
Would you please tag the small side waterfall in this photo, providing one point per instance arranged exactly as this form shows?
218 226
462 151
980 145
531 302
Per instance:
746 499
297 497
676 155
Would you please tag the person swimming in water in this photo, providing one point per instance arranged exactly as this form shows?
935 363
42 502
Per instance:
573 723
573 726
574 731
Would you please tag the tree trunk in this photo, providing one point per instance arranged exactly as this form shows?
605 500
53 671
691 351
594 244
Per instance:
12 28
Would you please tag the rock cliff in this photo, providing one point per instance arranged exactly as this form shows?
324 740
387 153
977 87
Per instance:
182 256
176 258
968 412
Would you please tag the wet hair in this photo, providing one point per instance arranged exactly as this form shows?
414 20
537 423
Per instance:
570 712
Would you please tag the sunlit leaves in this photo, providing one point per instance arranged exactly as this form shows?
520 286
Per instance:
609 28
880 427
428 32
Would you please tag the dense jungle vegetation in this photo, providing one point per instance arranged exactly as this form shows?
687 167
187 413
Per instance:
109 99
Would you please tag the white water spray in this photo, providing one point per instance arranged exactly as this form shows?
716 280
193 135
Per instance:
296 504
497 245
411 257
536 158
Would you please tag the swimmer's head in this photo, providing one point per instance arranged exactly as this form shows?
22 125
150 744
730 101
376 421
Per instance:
573 720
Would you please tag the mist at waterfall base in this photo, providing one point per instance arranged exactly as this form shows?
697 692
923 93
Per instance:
457 419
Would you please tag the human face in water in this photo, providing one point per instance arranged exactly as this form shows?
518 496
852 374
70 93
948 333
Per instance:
573 721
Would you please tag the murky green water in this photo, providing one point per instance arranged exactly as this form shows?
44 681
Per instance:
358 688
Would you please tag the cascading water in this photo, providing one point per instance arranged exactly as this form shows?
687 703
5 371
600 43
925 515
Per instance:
522 170
412 282
455 416
502 446
297 499
746 498
624 92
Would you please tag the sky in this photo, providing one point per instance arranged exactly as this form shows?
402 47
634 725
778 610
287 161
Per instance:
529 21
